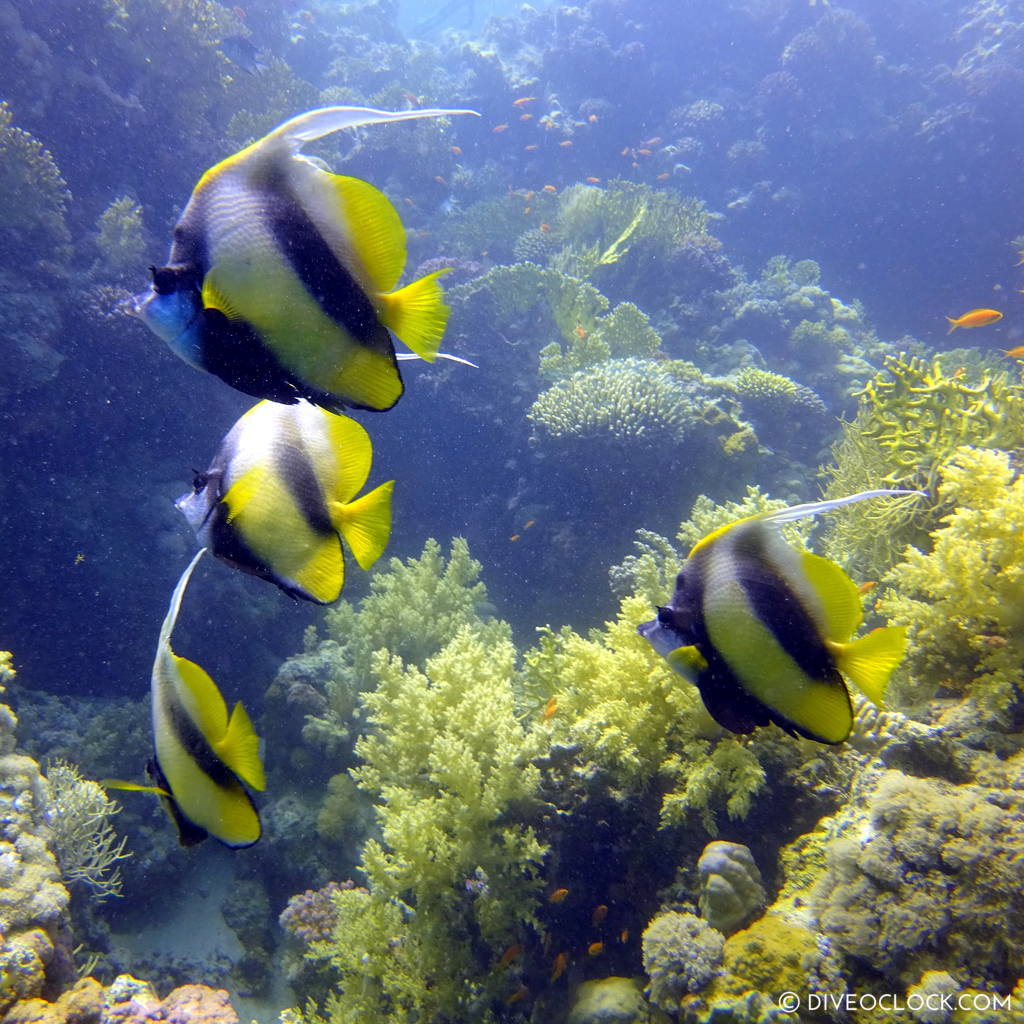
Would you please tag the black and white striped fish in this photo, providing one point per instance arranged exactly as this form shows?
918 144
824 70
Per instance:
281 276
766 631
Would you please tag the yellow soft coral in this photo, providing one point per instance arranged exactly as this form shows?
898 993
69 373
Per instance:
963 602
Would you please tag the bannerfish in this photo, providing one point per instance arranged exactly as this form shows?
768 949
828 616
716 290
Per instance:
281 276
204 758
974 318
765 631
280 495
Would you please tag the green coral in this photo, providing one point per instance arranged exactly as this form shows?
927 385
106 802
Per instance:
912 417
120 238
606 226
448 760
633 716
34 196
627 401
963 601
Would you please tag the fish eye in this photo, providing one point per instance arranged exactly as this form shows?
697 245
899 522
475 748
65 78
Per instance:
199 481
665 616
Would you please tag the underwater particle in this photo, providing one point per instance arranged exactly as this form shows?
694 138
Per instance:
974 318
731 890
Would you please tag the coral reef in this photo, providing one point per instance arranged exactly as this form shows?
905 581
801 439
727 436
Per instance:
35 954
912 417
120 239
962 598
448 760
85 843
682 954
731 892
609 1001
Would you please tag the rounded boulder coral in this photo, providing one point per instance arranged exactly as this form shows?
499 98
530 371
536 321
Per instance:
682 954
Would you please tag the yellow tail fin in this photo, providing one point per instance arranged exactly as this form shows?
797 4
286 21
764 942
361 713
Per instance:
366 523
240 749
870 659
417 314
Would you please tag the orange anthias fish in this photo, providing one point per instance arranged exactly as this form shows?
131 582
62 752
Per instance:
509 955
558 967
1014 353
595 949
523 100
549 711
558 895
974 318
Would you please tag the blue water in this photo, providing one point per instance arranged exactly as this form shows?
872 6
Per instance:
882 140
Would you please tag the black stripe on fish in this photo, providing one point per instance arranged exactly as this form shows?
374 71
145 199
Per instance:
299 477
777 607
328 281
195 745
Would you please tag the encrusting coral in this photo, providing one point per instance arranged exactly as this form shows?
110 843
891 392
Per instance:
962 601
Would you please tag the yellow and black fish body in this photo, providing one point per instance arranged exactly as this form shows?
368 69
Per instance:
205 759
281 276
281 494
766 631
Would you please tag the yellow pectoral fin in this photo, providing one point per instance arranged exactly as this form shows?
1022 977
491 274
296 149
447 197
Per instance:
200 698
132 787
240 749
417 314
687 661
838 594
373 229
214 296
366 523
869 660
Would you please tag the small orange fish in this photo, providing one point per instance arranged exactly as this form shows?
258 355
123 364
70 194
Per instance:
579 331
664 176
531 147
599 914
593 181
529 523
643 152
549 710
413 99
545 227
549 189
558 967
499 128
526 117
520 993
457 150
527 209
508 956
625 151
974 318
514 537
592 118
558 895
624 936
440 180
523 100
1014 353
651 142
565 143
595 949
867 586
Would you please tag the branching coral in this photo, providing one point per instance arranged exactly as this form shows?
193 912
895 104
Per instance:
85 843
120 239
33 195
448 760
963 602
912 417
